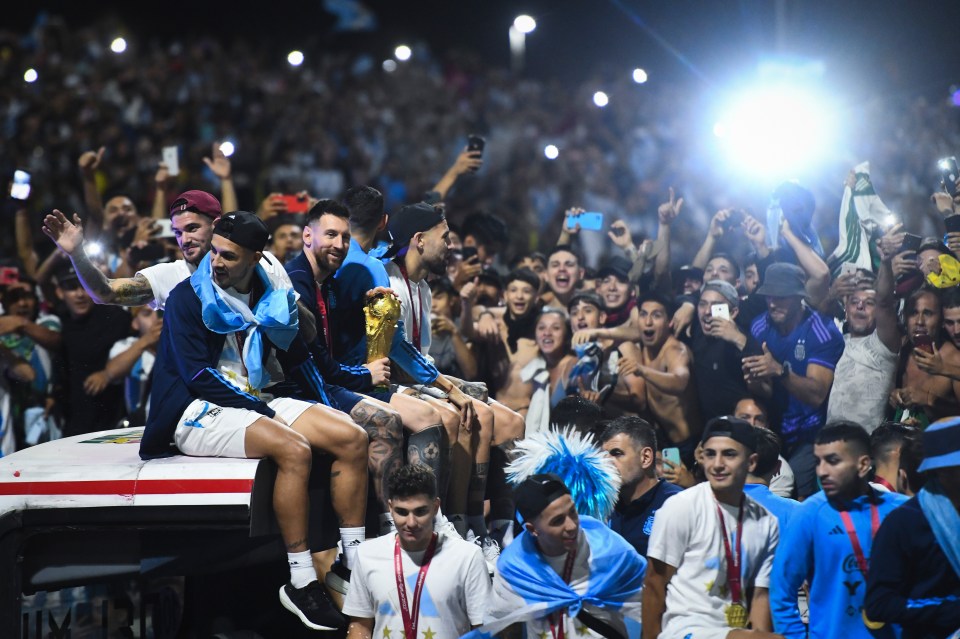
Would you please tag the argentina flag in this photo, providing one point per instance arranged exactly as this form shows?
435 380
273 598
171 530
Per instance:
526 588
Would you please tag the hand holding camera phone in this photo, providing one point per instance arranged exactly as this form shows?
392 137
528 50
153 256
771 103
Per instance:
296 204
949 174
171 157
588 221
923 342
720 310
20 189
476 144
911 243
672 455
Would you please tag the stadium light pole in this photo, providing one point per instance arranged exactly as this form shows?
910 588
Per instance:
522 25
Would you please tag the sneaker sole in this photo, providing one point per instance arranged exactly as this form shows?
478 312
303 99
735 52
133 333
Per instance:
289 605
335 582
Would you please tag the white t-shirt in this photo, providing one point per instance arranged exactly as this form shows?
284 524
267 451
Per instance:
164 277
783 482
133 385
862 381
454 597
410 308
686 534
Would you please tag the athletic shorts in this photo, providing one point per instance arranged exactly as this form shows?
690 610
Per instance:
345 400
208 430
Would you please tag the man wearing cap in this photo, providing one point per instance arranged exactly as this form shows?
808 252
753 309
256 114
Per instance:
711 550
828 542
866 371
421 242
566 574
228 335
915 581
87 396
719 347
616 291
800 351
192 217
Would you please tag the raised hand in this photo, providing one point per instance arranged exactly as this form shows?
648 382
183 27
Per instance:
68 235
89 161
619 234
669 210
220 164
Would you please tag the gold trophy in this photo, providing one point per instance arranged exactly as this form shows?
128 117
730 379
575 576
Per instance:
382 312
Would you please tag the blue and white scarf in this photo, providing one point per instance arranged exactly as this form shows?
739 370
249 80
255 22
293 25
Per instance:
275 316
944 520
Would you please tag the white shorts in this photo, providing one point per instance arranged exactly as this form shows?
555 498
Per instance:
208 430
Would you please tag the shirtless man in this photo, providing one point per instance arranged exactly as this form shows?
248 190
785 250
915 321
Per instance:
923 397
628 396
665 366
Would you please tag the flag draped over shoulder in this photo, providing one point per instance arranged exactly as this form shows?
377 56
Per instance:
527 588
862 214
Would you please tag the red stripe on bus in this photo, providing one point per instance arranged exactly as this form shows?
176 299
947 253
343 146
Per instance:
127 487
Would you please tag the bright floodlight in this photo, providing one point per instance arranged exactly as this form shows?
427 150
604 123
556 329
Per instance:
551 152
30 75
402 53
119 45
227 148
524 24
295 58
93 249
601 99
389 65
776 130
639 76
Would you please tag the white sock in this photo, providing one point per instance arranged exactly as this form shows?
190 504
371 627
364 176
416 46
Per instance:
387 525
460 523
352 538
302 571
477 525
506 525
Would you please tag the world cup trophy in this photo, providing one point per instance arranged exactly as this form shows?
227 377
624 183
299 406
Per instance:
382 312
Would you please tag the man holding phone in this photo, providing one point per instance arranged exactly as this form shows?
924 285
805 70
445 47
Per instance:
719 347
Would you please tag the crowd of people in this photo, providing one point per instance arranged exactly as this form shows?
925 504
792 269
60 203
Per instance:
782 426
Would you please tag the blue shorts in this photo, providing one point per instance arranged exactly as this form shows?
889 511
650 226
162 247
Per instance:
344 400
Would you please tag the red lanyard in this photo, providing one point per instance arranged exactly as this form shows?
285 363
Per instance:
414 312
852 534
883 482
556 627
733 561
411 618
322 307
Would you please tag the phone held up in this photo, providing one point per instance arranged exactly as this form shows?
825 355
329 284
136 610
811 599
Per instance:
20 189
949 173
588 221
296 204
720 310
672 455
475 144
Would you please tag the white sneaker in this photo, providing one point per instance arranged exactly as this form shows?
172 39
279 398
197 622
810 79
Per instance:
490 549
446 527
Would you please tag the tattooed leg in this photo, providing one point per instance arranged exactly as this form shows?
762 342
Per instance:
481 468
385 432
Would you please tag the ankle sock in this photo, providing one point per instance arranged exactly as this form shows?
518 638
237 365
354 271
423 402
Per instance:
351 539
302 571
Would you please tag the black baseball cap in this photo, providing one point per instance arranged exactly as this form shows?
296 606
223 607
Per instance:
536 492
410 220
617 266
739 430
243 228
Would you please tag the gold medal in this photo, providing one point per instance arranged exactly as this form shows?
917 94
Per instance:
872 625
736 615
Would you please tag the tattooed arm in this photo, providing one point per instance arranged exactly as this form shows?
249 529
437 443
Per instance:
125 291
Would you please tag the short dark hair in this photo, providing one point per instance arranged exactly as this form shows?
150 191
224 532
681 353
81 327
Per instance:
365 205
576 411
845 431
892 435
639 430
729 258
524 275
585 296
659 298
564 248
950 298
410 480
327 207
768 452
443 285
487 229
536 256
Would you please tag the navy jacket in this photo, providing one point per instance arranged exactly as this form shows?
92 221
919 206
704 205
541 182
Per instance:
911 582
634 521
355 378
186 369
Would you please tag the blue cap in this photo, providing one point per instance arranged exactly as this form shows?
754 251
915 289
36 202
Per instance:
941 445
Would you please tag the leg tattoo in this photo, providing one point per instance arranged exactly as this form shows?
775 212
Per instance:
384 450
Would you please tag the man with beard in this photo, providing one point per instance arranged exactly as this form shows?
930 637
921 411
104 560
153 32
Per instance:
665 366
828 542
866 370
800 351
564 273
420 247
924 391
326 236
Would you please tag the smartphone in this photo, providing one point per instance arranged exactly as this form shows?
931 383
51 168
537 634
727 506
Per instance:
952 222
672 454
588 221
297 204
475 143
849 268
720 310
166 229
20 189
469 252
734 221
923 342
948 174
911 242
171 157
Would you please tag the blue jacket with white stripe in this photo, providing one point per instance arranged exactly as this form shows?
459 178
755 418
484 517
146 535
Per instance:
186 369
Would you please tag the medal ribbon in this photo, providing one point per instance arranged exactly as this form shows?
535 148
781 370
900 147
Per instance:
414 312
556 619
411 618
733 561
322 307
852 533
